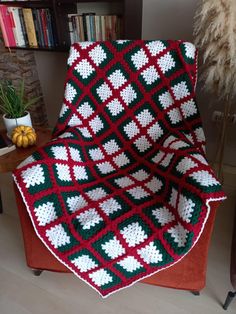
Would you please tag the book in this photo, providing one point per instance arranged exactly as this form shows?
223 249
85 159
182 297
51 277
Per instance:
17 29
37 27
7 21
6 145
22 22
4 32
30 29
50 31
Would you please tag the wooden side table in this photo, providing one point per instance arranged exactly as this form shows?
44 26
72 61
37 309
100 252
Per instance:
11 160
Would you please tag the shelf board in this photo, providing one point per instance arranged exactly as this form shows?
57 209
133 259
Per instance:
32 3
58 48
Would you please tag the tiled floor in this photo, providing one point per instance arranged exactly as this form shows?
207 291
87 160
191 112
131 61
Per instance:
22 293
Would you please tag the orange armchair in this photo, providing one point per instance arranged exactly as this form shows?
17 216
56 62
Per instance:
188 274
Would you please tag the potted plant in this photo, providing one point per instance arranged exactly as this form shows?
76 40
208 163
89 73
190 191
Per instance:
14 106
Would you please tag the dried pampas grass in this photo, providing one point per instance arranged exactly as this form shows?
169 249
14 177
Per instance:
215 37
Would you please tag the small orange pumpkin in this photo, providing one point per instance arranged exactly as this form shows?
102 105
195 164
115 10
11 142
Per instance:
23 136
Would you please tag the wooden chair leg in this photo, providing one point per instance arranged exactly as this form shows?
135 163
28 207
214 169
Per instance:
229 299
37 272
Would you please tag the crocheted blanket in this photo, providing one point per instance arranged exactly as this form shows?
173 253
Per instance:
123 189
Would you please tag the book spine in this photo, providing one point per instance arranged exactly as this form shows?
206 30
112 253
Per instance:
44 26
81 27
88 28
30 28
77 28
22 21
71 29
50 28
8 25
85 27
4 31
103 27
37 28
17 27
92 27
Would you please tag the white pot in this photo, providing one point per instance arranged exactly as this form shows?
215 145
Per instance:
12 123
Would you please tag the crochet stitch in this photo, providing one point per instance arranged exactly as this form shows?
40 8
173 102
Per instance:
123 189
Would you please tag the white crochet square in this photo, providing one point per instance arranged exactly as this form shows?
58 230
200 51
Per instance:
75 154
100 277
63 172
154 185
130 264
204 178
142 143
64 109
121 160
138 193
173 198
133 234
57 236
117 79
150 254
131 129
89 218
85 132
110 206
155 131
150 75
185 164
189 108
179 234
185 208
85 110
178 144
96 194
70 92
190 50
45 213
105 167
166 100
80 173
128 94
166 161
84 68
111 147
75 202
73 55
124 182
115 107
140 175
139 59
166 62
84 263
158 157
104 92
145 117
200 134
96 124
96 154
180 90
155 47
59 152
163 215
175 116
98 55
113 248
74 120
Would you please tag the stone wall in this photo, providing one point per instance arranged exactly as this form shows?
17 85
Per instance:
18 64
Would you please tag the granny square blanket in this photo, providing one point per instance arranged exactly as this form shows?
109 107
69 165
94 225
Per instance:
122 190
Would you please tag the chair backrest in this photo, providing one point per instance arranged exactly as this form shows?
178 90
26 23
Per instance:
110 83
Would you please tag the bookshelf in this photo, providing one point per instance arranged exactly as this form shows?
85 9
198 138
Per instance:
51 21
